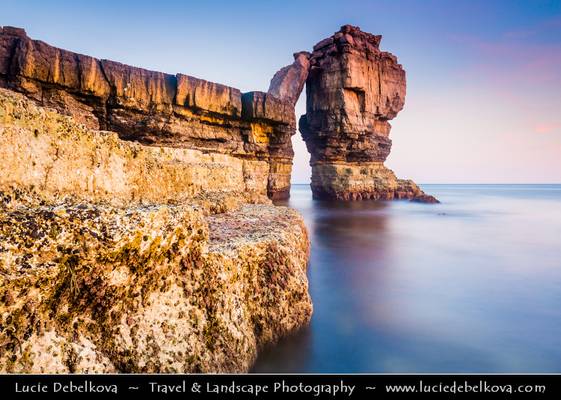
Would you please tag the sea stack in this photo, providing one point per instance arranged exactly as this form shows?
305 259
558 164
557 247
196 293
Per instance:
352 90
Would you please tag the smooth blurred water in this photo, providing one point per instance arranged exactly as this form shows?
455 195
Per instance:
469 285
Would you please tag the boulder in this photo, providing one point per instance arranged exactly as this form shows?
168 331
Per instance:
120 257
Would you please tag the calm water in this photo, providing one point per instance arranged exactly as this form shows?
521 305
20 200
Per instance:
469 285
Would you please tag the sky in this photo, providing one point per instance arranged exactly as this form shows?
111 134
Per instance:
483 98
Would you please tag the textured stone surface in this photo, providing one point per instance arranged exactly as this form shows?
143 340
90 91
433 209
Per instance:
49 153
91 288
288 82
352 90
119 257
367 181
210 96
152 107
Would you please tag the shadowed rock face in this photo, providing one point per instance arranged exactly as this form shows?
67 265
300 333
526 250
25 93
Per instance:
352 90
151 107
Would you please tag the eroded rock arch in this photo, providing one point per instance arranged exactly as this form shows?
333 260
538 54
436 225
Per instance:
352 90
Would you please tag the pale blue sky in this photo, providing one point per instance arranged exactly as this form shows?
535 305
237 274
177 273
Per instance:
484 77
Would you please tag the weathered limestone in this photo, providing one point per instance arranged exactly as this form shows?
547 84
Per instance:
288 82
352 90
135 230
90 288
50 153
119 257
365 181
152 107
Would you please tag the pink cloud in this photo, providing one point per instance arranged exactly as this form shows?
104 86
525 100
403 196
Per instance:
548 127
523 73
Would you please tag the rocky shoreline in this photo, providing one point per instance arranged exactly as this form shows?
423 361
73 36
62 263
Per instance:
137 231
353 90
154 108
101 278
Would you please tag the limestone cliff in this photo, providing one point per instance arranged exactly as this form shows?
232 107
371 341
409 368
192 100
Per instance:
352 90
120 257
154 108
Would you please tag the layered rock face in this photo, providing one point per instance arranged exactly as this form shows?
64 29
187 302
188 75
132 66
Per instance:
50 153
154 108
352 90
120 257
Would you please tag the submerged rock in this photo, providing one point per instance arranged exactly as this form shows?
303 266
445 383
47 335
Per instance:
425 198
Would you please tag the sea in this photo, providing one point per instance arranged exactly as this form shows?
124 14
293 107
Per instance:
469 285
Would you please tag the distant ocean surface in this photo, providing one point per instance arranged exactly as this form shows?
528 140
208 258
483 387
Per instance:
469 285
